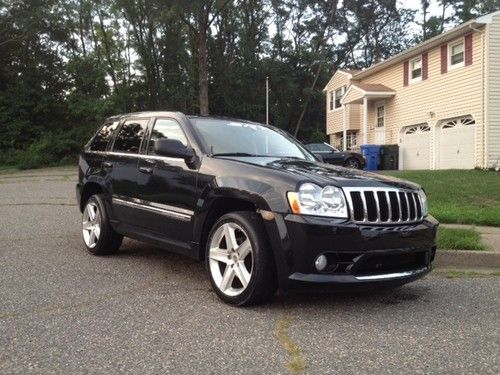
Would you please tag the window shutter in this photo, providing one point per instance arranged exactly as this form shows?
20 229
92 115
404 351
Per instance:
468 49
444 59
425 66
406 67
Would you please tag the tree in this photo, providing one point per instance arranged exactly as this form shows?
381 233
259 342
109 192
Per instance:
465 10
199 15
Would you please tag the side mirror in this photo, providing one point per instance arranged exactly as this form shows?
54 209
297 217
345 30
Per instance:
173 148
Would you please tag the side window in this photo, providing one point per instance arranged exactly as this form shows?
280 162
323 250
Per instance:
166 128
323 148
101 139
129 137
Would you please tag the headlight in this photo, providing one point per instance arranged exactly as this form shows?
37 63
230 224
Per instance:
311 199
423 201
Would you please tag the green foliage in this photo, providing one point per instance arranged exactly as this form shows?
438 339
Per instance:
57 148
459 239
65 65
462 197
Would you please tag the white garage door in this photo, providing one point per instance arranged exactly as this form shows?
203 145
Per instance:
456 144
416 147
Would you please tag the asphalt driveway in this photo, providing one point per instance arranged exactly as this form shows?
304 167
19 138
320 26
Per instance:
148 311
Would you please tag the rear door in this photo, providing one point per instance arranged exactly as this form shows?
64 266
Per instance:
122 163
98 145
167 188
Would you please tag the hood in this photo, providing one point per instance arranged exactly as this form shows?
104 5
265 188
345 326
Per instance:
326 174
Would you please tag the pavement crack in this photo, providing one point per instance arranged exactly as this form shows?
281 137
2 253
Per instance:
296 364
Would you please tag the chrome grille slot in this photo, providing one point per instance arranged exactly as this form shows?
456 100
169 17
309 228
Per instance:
383 205
404 206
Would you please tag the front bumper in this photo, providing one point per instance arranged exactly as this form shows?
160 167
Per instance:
358 256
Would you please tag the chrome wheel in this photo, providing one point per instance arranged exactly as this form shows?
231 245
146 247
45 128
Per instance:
352 163
91 224
230 259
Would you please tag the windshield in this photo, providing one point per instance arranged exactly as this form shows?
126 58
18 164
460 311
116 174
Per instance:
234 138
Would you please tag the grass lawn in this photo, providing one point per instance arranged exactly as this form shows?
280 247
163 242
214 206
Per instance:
7 169
459 196
457 274
459 239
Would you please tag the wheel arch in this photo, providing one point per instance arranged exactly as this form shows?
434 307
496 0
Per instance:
90 188
217 207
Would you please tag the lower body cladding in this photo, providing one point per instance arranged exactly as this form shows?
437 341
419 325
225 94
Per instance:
324 254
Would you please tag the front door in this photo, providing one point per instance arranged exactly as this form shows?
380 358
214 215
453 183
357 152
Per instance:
380 124
167 186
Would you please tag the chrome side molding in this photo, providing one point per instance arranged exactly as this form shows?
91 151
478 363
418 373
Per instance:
162 209
389 276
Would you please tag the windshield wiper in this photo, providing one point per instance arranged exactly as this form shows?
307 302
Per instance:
233 154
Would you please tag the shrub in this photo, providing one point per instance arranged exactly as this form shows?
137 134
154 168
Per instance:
51 149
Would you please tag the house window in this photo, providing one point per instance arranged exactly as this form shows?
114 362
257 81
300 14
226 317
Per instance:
351 140
416 69
380 116
457 54
339 93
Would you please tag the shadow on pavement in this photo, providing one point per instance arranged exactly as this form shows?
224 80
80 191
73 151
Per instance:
195 270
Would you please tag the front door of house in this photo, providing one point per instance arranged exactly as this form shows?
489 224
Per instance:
380 124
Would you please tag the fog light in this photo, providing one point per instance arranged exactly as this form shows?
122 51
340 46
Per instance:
320 263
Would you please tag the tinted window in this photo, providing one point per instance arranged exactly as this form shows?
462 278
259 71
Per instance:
165 128
101 140
321 147
130 136
251 139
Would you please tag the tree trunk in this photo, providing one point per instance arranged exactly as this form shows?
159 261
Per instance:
319 49
203 72
80 27
308 99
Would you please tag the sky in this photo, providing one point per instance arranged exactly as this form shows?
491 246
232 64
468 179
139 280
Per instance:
434 8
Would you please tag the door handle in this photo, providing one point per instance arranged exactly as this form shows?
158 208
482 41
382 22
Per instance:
146 170
107 164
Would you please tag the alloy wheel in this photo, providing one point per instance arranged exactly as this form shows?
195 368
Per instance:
91 224
352 163
231 259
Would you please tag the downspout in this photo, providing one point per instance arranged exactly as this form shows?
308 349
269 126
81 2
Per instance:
485 88
365 119
344 127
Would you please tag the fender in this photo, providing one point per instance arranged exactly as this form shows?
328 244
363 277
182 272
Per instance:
86 185
239 191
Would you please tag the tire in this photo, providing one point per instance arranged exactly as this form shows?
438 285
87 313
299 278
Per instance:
99 237
352 163
242 273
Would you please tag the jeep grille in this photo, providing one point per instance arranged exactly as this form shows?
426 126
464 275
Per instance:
383 205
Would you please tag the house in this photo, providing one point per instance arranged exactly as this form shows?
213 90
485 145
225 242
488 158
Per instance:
439 100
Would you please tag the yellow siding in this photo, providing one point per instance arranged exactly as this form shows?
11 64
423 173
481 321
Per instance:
493 93
334 118
353 95
456 93
354 111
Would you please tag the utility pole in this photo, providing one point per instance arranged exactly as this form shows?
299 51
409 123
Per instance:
267 100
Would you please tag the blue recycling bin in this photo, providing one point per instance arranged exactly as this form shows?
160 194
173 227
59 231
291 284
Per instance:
371 154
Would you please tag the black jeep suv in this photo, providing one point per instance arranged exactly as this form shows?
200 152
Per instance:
253 203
